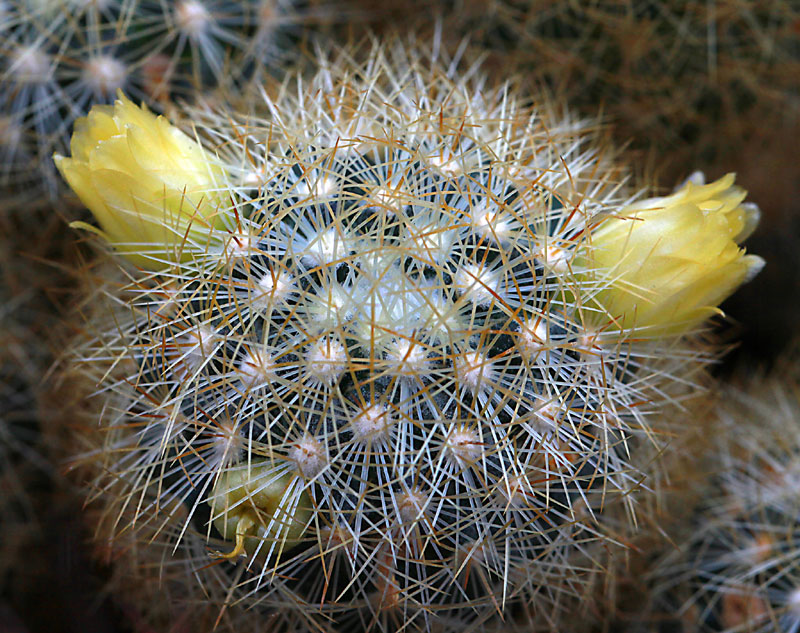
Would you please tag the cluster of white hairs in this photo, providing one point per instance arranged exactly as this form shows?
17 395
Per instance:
380 383
738 564
59 57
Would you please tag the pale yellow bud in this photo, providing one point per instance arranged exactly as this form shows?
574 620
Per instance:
260 509
663 265
153 190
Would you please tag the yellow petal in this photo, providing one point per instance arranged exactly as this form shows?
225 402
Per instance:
154 191
665 264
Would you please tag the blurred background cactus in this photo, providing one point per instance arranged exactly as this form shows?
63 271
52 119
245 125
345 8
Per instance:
735 560
682 86
59 57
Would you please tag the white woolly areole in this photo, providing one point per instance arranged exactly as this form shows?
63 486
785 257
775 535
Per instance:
322 187
192 17
372 425
430 242
445 162
548 415
326 360
407 358
443 319
309 455
388 199
228 442
513 491
325 249
589 346
256 368
479 284
474 370
491 225
104 74
411 506
532 338
555 258
329 308
10 132
30 64
241 246
197 345
464 445
273 288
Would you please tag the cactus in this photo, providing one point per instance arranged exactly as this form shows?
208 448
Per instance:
385 376
738 565
26 472
21 462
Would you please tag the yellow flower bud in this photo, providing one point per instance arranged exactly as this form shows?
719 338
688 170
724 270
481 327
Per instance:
257 507
663 265
153 189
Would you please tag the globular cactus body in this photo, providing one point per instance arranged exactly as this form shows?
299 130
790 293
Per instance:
380 366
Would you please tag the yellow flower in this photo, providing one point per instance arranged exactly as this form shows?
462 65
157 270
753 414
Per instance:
154 190
663 265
